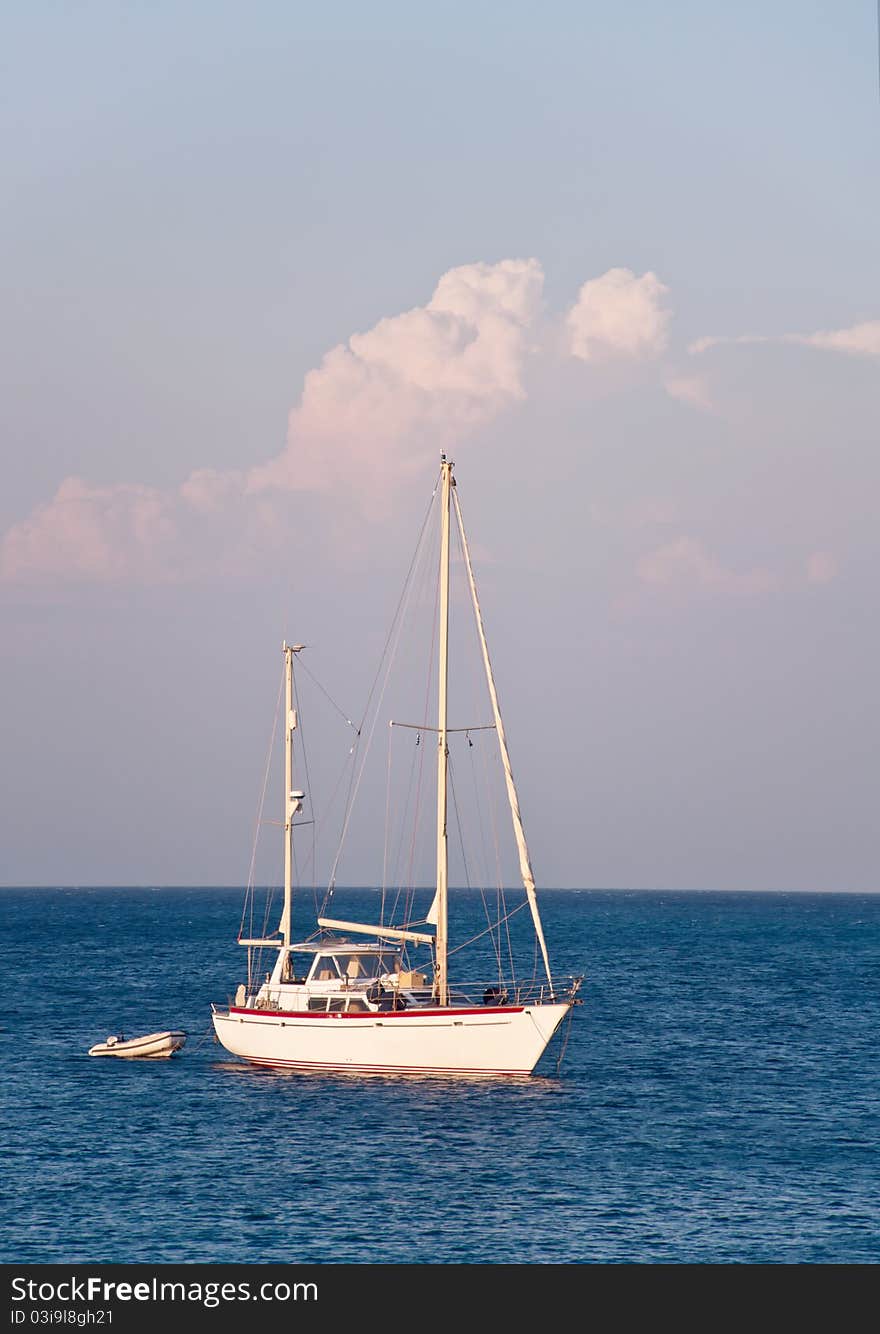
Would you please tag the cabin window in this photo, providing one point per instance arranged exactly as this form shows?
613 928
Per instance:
357 966
357 1005
337 1003
317 1002
326 969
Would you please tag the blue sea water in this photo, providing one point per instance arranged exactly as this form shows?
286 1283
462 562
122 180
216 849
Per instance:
717 1100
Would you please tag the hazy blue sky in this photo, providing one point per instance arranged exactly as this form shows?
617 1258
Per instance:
262 263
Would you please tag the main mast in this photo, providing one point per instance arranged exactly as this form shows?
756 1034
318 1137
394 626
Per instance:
447 483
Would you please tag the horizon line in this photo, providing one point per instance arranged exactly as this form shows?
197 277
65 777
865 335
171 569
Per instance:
458 889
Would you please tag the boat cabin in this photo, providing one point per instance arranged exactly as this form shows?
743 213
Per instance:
345 964
339 976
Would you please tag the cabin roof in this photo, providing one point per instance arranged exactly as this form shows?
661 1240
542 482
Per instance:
333 945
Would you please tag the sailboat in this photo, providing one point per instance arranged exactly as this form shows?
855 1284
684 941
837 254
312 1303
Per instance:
344 999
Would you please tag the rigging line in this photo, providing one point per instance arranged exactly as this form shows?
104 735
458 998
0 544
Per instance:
478 689
415 809
478 692
492 801
305 756
418 811
424 727
491 924
513 912
496 944
298 876
492 804
270 896
467 878
468 885
301 666
387 831
325 815
503 900
328 892
249 894
418 754
396 625
258 952
352 759
208 1033
400 600
409 895
428 560
525 866
423 579
297 824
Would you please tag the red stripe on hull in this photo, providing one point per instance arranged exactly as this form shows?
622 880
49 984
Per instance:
417 1013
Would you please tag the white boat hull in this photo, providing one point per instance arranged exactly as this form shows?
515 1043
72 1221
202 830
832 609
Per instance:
488 1041
152 1046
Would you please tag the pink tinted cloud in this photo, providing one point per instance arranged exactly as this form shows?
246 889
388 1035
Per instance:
859 340
619 315
124 533
390 398
685 563
100 533
377 410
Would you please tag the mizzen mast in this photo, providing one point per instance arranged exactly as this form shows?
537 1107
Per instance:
292 800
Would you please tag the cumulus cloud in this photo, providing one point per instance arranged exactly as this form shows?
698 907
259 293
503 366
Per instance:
685 563
414 383
376 411
101 533
860 340
124 533
619 315
380 405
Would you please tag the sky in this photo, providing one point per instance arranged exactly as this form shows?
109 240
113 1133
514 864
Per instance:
264 263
